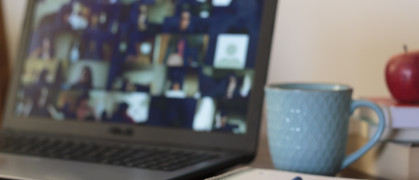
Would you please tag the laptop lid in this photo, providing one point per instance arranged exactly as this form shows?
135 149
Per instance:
183 72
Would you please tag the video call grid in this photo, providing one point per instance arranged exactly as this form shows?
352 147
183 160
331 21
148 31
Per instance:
108 59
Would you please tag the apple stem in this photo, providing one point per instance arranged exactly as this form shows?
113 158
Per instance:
405 48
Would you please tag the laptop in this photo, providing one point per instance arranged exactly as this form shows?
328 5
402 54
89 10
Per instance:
136 89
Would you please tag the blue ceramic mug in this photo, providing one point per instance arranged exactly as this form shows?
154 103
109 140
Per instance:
308 127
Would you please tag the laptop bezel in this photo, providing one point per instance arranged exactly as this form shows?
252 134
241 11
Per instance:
156 135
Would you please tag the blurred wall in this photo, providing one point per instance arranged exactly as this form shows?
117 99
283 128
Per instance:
320 40
348 42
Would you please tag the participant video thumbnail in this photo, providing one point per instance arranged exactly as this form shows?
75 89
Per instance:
87 75
141 50
95 44
182 82
181 51
43 49
148 16
221 115
75 105
147 79
225 84
34 102
231 116
37 87
118 107
40 72
189 17
231 51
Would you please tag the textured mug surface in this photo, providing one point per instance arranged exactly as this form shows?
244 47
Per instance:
308 125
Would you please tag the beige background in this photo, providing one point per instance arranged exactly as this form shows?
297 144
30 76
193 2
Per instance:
320 40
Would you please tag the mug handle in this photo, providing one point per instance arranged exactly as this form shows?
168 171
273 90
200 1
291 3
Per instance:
381 125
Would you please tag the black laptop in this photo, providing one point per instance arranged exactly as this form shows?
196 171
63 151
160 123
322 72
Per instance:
136 89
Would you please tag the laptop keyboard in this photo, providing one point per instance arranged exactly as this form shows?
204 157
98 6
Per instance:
163 159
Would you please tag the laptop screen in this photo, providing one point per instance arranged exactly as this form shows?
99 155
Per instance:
185 64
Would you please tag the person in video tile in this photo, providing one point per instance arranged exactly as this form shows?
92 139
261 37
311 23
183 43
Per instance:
181 54
66 19
193 15
42 80
232 87
231 115
121 114
183 82
108 10
85 81
78 16
177 77
140 50
44 51
38 93
139 17
184 22
36 96
95 41
141 35
228 87
59 21
39 103
71 16
223 124
83 110
80 110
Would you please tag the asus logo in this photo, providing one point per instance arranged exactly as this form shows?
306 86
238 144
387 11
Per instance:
121 131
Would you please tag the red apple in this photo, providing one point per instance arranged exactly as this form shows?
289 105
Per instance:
402 75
